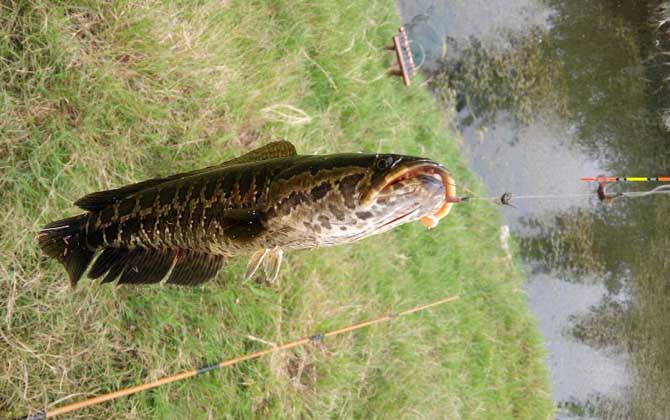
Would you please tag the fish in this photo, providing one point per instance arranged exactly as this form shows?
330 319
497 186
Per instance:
182 228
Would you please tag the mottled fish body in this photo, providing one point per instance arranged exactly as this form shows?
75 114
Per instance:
183 227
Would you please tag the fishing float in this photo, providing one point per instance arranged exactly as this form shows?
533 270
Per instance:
626 179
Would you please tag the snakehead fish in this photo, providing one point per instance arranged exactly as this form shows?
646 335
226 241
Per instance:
183 227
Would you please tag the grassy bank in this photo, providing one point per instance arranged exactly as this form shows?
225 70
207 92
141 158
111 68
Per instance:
96 96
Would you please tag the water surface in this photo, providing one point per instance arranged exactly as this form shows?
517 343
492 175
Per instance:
547 92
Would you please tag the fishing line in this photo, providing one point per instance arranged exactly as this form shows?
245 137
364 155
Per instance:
316 338
507 197
522 197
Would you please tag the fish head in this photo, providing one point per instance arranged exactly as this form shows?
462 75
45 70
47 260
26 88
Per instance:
346 197
403 189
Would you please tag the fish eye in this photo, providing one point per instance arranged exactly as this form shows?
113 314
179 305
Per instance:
384 163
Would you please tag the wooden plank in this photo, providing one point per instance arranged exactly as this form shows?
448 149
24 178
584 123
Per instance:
404 56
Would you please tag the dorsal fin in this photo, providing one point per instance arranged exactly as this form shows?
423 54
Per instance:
67 241
98 200
146 266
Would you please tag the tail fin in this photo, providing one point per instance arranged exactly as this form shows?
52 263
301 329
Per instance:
64 240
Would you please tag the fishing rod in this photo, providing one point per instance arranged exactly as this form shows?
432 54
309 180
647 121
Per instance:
316 338
604 181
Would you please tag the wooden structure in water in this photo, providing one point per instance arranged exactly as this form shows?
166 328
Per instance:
406 68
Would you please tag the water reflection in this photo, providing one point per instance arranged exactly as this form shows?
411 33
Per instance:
547 92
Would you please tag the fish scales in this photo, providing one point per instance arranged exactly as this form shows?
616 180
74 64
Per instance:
181 212
266 201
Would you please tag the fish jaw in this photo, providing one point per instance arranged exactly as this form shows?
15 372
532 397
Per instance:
413 169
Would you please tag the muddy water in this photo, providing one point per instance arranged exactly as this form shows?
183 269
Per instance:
547 92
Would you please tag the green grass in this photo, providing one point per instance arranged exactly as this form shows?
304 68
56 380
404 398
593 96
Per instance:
96 95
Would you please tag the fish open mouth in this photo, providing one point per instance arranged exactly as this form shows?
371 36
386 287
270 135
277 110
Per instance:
411 170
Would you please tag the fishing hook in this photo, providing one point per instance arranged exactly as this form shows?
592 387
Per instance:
604 196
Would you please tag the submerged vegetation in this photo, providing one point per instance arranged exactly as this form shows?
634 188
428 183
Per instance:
519 80
660 23
555 70
100 94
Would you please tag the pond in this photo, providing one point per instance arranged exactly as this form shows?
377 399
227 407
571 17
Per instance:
547 92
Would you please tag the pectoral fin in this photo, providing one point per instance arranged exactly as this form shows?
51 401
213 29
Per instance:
272 265
276 149
264 265
255 262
